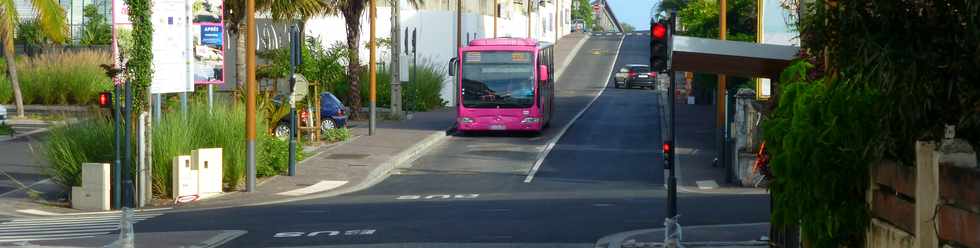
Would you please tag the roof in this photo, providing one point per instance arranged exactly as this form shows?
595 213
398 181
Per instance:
506 41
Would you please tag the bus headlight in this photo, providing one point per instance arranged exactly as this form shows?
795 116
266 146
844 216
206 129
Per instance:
529 120
466 120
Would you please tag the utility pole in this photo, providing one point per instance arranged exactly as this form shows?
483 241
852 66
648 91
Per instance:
529 18
721 77
250 95
374 67
395 68
496 13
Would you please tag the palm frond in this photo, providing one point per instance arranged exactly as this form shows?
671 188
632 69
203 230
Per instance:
8 21
51 18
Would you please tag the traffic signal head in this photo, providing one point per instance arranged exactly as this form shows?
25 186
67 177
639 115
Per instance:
668 163
659 39
659 31
105 99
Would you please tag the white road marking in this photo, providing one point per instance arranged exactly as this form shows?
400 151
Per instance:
46 213
357 232
437 197
707 184
318 187
553 141
64 227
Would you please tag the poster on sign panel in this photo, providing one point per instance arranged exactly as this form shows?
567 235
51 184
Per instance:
208 41
171 47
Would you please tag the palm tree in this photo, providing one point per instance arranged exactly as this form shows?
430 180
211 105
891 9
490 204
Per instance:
51 19
351 11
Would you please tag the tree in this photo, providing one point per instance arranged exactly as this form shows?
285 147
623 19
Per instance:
96 30
351 11
700 19
50 18
627 27
584 13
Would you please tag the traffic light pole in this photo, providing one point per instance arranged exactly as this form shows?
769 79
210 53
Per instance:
294 53
117 171
672 237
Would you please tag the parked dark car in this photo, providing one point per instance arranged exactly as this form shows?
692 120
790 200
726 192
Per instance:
333 115
637 76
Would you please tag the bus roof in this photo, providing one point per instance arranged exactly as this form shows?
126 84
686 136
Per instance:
507 41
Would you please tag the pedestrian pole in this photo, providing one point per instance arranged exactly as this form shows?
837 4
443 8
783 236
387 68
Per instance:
117 170
156 107
373 68
183 103
294 55
210 99
127 194
250 96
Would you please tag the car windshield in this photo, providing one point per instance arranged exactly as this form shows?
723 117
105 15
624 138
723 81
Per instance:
497 80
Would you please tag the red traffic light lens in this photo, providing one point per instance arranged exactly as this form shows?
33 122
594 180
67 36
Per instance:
659 31
104 99
666 147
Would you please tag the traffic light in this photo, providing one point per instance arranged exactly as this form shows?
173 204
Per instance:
105 99
668 162
659 37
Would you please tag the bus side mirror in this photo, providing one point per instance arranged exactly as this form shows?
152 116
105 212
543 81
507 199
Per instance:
452 66
543 72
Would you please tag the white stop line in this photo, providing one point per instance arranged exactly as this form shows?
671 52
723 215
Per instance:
437 197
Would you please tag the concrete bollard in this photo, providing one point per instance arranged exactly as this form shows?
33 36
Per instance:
208 163
93 195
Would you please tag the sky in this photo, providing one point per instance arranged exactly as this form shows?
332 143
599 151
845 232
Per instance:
634 12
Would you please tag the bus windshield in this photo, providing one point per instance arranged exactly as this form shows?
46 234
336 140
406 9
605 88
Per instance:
497 80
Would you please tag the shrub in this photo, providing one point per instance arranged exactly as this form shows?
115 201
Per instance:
425 92
337 134
60 78
67 147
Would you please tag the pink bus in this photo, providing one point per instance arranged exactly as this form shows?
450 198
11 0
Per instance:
504 84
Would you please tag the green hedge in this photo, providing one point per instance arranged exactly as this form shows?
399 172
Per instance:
422 94
59 78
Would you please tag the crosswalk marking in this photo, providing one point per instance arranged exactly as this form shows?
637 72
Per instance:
67 227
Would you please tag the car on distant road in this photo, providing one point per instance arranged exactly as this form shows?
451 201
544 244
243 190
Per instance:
633 75
578 26
332 115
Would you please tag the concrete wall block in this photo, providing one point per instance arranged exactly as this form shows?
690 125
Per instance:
924 177
884 235
185 177
208 162
87 199
959 225
958 152
96 176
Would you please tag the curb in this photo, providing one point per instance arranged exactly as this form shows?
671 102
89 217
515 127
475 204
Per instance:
618 240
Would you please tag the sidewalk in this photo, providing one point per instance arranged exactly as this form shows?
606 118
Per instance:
696 151
333 169
717 236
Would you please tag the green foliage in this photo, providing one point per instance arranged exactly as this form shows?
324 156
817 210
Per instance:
820 138
60 78
627 27
29 33
700 18
67 147
6 90
337 134
139 65
383 84
6 129
96 31
424 93
584 13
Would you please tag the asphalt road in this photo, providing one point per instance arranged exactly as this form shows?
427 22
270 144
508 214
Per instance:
604 176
